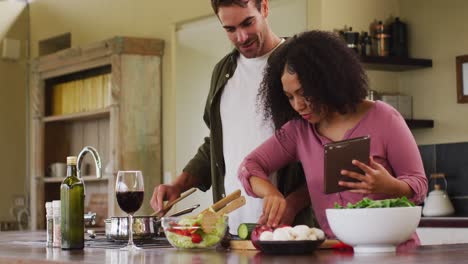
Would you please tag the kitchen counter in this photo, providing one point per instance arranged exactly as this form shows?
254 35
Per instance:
27 247
443 222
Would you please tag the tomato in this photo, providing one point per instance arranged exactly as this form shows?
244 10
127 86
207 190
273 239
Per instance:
196 238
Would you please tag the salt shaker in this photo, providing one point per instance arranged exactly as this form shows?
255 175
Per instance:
57 240
49 224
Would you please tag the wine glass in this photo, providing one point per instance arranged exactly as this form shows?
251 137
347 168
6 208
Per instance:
129 190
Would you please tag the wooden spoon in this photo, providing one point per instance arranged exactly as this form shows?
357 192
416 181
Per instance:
221 203
210 218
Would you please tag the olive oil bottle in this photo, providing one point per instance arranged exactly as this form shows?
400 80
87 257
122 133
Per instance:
72 208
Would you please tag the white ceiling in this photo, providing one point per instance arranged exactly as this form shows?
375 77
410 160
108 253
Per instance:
9 11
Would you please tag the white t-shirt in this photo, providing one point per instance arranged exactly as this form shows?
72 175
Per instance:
243 130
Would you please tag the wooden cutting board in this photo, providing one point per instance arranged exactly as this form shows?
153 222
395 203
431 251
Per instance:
247 244
242 245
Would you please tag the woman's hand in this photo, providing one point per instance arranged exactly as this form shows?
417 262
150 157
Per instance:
375 180
274 203
274 206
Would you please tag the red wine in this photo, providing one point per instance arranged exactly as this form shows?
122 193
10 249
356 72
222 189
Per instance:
130 202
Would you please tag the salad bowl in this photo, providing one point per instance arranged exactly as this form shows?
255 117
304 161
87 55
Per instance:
372 230
187 232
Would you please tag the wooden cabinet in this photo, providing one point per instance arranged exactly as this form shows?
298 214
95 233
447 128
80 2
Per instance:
126 129
398 64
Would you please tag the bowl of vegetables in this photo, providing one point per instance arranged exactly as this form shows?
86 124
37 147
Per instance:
193 232
374 226
299 239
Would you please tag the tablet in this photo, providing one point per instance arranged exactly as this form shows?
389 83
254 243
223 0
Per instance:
338 156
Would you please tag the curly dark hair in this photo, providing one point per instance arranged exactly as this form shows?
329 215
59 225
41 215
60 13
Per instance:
329 72
216 4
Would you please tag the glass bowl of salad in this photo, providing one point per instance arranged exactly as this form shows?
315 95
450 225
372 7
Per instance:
187 232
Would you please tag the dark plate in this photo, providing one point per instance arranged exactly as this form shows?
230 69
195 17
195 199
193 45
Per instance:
289 247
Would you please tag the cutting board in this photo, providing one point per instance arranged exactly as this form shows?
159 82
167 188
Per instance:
242 245
247 244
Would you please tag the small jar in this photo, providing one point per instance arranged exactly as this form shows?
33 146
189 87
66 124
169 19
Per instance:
57 240
49 224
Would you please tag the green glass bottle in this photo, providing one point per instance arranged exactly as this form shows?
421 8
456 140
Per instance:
72 208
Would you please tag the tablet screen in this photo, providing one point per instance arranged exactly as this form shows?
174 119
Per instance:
338 156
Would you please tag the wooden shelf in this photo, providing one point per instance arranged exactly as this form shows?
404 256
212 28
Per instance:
54 137
419 123
396 64
100 113
87 178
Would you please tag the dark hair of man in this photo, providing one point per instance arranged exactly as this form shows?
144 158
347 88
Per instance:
329 72
216 4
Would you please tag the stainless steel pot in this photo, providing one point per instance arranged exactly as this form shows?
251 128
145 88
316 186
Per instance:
144 227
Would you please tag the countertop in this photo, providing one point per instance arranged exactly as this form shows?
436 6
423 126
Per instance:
26 247
448 221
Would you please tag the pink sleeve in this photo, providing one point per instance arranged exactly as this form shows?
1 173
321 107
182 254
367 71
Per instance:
275 153
404 157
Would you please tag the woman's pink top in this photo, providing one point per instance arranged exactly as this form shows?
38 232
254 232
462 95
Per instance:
392 145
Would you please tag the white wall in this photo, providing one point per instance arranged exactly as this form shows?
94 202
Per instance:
438 31
13 87
9 12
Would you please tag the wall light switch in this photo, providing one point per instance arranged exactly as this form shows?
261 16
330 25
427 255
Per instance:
19 201
11 49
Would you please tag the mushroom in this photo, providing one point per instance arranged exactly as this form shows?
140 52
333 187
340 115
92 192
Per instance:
266 235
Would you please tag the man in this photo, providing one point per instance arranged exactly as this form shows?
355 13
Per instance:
236 127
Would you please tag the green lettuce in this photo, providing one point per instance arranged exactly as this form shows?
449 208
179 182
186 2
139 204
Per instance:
369 203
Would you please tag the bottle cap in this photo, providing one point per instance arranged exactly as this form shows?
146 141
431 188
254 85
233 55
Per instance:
56 207
71 160
48 206
56 203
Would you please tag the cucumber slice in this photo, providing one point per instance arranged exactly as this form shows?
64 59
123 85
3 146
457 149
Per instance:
245 230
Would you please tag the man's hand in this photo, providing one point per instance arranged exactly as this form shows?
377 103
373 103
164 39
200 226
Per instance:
164 192
170 192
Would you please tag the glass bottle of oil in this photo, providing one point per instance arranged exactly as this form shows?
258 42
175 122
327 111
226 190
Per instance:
72 208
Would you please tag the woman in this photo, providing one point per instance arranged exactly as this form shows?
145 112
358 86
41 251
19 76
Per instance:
314 88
